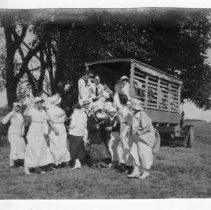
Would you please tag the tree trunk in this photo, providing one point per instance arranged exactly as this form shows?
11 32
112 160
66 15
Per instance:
11 84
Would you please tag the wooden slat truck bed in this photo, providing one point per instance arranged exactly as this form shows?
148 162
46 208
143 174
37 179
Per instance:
159 92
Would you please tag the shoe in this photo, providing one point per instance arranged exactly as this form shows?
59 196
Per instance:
77 164
121 168
135 173
113 165
27 172
103 165
144 175
38 171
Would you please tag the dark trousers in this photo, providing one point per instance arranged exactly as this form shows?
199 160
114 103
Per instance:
76 147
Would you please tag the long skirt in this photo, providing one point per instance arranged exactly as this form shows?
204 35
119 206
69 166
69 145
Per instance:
37 152
58 145
115 148
76 145
145 154
98 152
17 146
129 145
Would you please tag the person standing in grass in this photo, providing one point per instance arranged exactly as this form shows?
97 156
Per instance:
129 155
37 153
112 126
144 136
98 151
15 134
77 131
58 143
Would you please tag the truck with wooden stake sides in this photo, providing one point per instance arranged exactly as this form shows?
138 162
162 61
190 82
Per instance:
159 92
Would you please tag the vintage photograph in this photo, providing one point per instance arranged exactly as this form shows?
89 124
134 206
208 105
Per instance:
105 103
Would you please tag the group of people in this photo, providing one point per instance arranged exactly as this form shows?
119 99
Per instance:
107 129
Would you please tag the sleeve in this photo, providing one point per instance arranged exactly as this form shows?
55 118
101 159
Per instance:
73 121
91 125
46 116
6 119
80 85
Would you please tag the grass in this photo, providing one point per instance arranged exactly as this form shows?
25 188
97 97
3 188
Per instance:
178 173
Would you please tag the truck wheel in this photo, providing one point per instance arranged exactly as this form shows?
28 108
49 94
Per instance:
190 137
156 146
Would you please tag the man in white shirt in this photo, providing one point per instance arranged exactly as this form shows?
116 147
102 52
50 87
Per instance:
77 132
84 89
99 89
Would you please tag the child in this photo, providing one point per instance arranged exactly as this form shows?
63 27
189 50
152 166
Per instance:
113 135
98 150
15 134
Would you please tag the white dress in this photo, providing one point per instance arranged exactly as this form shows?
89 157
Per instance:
145 141
130 153
15 135
58 143
126 90
37 151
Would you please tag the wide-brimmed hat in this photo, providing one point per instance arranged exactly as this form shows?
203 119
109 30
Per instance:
54 100
16 104
85 103
136 105
97 108
38 99
124 78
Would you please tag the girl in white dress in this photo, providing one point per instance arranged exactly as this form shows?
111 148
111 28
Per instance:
37 151
15 134
58 143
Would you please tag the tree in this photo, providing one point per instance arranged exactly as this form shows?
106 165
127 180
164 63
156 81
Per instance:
172 40
15 44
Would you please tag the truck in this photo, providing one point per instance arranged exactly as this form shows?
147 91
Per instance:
159 92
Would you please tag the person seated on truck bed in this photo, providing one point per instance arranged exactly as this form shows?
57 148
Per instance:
116 100
125 86
98 90
84 89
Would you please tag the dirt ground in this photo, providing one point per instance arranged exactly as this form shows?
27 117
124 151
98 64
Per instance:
178 173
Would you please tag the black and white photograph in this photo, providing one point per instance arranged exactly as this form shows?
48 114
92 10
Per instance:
105 103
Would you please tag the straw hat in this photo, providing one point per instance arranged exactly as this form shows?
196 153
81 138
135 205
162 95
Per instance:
124 78
85 103
38 99
136 104
54 100
16 104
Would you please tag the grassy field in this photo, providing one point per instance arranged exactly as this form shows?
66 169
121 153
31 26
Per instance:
178 173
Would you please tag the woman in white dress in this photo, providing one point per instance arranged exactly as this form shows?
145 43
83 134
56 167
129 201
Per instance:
144 134
15 134
129 155
37 151
58 143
